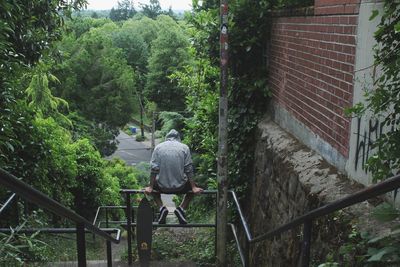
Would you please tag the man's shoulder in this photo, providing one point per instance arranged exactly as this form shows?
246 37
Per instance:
185 146
169 144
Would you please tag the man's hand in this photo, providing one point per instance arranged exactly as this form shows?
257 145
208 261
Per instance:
148 190
197 190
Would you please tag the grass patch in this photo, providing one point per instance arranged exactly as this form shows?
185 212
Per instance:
63 247
186 244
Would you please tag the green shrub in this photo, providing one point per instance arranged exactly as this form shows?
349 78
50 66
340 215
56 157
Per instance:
171 120
140 138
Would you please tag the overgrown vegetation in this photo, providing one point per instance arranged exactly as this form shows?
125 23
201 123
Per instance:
383 103
65 89
248 94
68 86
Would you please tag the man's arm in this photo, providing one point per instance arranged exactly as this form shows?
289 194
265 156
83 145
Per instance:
155 169
195 189
149 189
188 169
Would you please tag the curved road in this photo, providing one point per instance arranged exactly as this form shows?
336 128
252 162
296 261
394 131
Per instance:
131 151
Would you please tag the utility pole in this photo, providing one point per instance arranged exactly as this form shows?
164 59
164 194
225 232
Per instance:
141 118
153 132
222 139
140 96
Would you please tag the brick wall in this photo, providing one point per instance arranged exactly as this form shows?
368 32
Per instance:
312 68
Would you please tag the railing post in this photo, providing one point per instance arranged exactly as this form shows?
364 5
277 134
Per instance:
129 226
81 244
306 245
153 132
109 254
17 210
222 170
247 253
106 217
216 227
133 221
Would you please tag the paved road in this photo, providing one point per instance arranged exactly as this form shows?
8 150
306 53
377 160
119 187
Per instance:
130 151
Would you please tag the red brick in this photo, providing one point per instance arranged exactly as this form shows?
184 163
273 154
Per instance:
329 10
350 59
352 9
347 49
306 76
318 3
353 20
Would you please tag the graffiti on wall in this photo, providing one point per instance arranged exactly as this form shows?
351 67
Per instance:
367 132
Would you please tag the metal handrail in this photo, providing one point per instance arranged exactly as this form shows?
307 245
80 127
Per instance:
137 191
29 193
129 223
5 205
105 207
174 225
306 219
241 252
58 231
242 219
40 199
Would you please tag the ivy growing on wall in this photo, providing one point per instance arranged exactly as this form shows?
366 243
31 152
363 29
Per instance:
383 100
248 93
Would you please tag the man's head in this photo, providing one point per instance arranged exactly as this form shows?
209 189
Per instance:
173 135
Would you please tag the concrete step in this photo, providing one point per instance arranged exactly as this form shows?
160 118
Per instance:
102 263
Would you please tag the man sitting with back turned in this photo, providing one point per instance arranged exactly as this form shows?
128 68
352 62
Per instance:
172 173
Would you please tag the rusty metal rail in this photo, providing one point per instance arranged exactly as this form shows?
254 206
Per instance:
307 219
30 194
8 202
131 224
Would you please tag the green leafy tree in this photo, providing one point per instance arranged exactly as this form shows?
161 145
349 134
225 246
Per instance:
94 15
169 53
151 10
124 11
248 26
199 80
136 53
100 135
126 175
147 28
96 78
57 166
28 28
41 97
171 120
134 47
89 178
79 26
26 31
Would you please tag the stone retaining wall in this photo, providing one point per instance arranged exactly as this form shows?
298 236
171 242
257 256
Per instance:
289 180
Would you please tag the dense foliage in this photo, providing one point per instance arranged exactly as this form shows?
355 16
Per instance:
383 103
248 88
41 141
95 77
67 86
26 30
124 11
169 54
